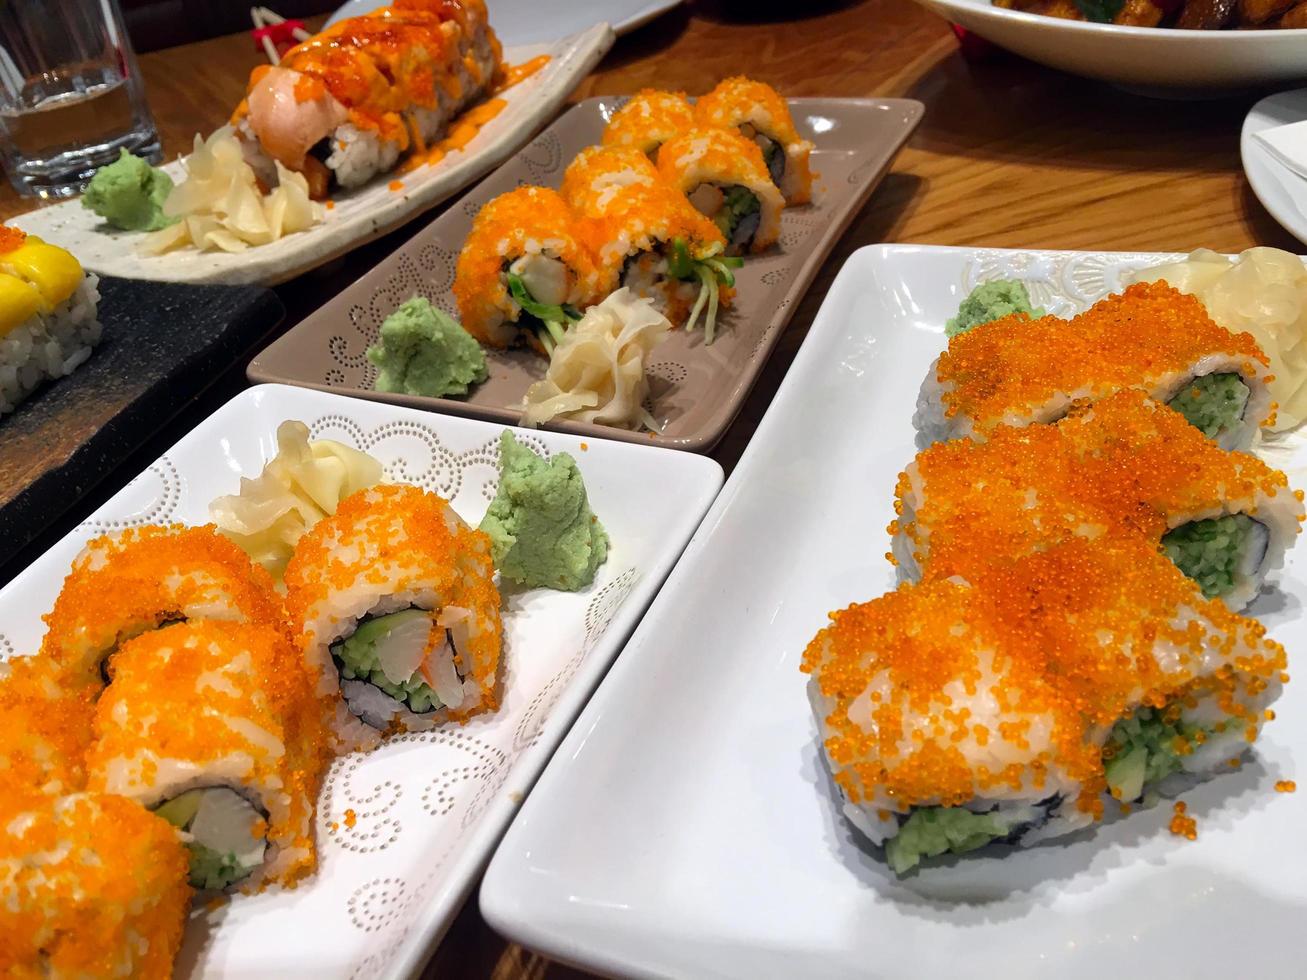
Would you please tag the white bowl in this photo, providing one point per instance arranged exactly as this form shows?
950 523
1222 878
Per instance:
1149 57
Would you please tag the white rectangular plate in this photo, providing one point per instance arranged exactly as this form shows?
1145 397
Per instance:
359 215
687 826
427 807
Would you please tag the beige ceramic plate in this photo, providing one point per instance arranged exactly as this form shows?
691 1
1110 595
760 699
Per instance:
697 390
358 215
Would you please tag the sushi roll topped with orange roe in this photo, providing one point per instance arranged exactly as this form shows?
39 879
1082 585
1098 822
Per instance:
1124 465
594 179
524 272
762 116
142 578
650 239
90 886
649 119
723 175
1011 705
1018 371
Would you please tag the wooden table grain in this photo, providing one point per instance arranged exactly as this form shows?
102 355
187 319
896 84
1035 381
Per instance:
1009 155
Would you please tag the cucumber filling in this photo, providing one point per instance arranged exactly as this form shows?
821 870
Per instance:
1218 552
1145 748
1213 403
712 269
735 210
539 285
930 831
397 654
224 832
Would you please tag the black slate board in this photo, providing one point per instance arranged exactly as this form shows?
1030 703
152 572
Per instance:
163 344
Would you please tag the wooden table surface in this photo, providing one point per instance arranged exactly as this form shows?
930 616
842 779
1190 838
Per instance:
1009 154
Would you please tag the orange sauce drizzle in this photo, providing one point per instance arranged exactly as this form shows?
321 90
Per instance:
520 73
461 133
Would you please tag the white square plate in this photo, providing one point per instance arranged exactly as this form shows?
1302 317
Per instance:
427 807
687 826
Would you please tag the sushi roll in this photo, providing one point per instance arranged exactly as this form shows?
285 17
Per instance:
139 579
1021 371
1015 705
524 274
723 175
649 119
45 729
598 174
649 239
345 104
1122 465
397 614
216 727
48 324
90 886
761 115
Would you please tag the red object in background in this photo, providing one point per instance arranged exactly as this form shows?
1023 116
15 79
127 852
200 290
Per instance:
282 35
973 46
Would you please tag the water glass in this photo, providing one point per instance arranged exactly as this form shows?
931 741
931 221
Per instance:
70 94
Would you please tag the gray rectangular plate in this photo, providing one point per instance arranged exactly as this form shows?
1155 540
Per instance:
696 391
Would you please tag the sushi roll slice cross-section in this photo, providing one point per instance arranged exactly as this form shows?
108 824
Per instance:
723 175
133 581
524 274
1014 707
48 323
217 728
651 240
649 118
1022 371
763 117
398 614
90 886
1124 465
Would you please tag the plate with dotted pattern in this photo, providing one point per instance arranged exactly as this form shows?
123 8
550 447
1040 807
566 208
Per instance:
695 391
404 830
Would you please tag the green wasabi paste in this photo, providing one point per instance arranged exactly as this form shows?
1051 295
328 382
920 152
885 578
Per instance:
129 194
990 301
541 528
423 351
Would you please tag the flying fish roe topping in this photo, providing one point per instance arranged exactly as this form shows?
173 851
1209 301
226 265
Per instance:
1140 338
45 729
524 221
1124 465
1029 663
649 118
11 238
404 539
122 584
220 696
1181 824
93 886
738 100
1285 786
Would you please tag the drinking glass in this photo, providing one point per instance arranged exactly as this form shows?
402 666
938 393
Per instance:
70 94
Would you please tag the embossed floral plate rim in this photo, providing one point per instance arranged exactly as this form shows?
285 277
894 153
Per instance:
697 390
728 856
426 808
357 216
